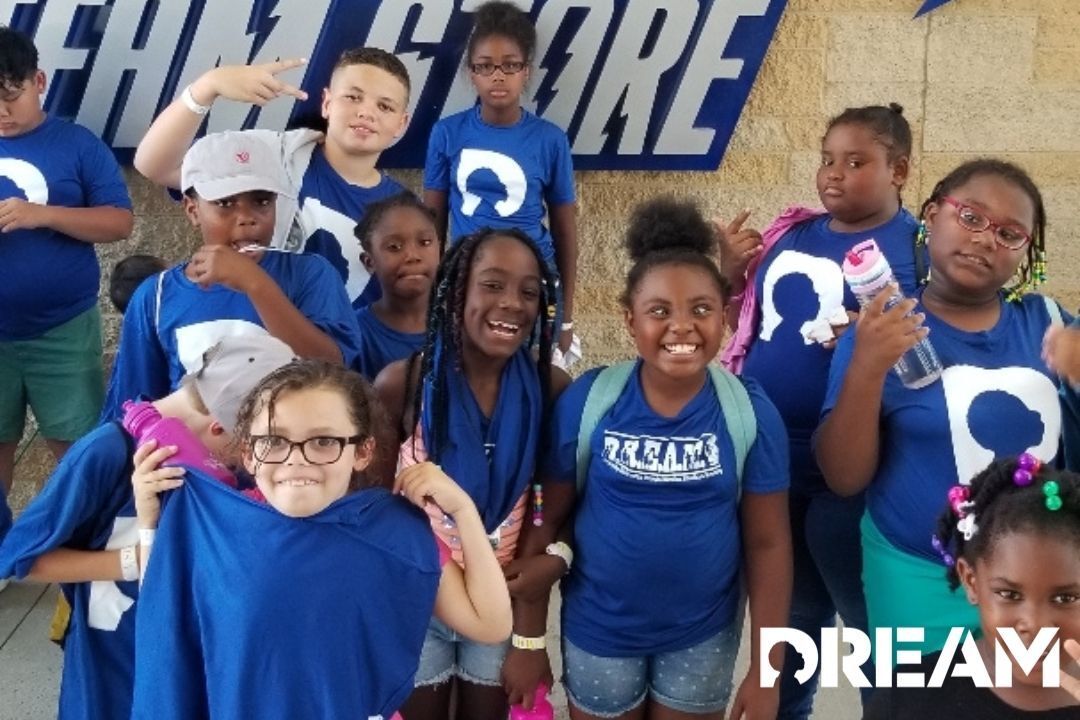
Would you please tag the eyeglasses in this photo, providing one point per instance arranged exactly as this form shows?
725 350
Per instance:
318 450
510 67
971 219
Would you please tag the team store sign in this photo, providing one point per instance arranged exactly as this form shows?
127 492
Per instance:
637 84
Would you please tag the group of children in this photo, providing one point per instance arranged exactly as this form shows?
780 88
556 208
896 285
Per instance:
665 493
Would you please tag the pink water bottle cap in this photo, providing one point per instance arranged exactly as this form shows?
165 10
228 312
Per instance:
861 258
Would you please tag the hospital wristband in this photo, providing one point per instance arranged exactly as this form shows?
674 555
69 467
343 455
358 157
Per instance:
561 550
528 643
191 103
129 563
146 536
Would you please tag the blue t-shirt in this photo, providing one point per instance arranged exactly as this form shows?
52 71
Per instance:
995 398
500 176
171 322
62 164
799 281
381 345
87 504
657 530
247 613
1070 410
334 206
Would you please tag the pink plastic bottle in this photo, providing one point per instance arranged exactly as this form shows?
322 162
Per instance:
541 709
144 422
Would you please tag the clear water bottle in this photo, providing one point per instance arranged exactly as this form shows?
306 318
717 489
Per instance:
868 273
144 422
541 709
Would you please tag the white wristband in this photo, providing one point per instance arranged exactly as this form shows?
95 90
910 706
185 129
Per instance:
146 536
528 643
191 103
129 563
561 550
568 326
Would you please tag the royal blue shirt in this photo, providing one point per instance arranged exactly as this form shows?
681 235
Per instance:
381 345
657 543
995 398
65 165
498 176
87 504
247 613
799 281
1070 407
171 322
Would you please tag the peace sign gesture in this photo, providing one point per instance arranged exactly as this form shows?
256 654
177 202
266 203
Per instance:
255 84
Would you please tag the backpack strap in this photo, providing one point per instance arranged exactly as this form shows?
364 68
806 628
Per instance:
738 415
1054 310
605 390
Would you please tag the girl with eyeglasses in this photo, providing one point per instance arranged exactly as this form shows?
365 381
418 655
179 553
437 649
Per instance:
310 597
497 164
984 225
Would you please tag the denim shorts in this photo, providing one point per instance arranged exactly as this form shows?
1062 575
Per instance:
446 654
696 680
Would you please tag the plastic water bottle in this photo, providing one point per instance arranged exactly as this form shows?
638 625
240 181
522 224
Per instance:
868 273
144 422
541 709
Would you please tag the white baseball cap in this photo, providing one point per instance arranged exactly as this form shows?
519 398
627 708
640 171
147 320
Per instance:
232 162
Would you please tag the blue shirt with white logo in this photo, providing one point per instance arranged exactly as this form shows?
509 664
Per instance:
798 282
500 176
381 345
87 504
61 164
996 398
657 530
171 322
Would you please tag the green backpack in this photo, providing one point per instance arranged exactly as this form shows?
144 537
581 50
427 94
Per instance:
609 384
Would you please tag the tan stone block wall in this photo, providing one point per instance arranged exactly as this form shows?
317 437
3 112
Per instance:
976 77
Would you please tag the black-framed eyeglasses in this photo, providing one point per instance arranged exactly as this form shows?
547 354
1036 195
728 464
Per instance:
486 69
969 218
318 450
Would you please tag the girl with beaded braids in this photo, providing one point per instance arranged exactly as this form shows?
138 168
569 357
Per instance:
984 227
1011 540
474 402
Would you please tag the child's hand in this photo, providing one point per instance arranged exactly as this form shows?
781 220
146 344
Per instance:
1070 676
220 264
255 84
882 336
1061 352
150 478
754 702
19 214
531 578
426 482
522 671
737 247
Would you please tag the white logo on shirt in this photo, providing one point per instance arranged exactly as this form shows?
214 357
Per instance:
107 604
316 216
505 168
825 276
193 340
662 459
964 383
28 179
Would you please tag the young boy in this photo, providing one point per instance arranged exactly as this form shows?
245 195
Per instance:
365 108
60 193
81 530
232 285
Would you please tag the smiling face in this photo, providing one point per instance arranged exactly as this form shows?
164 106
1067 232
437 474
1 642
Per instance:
857 182
236 220
970 263
404 252
296 487
502 297
676 317
1027 581
500 91
366 109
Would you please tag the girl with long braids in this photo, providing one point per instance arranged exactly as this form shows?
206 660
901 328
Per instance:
475 401
985 226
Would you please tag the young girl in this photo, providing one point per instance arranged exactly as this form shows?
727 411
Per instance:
497 164
984 225
314 602
651 608
792 293
401 250
475 405
1011 538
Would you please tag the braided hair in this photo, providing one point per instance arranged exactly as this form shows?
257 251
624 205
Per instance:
1031 273
442 350
1000 507
374 213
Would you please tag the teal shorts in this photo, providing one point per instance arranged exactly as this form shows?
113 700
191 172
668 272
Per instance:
59 375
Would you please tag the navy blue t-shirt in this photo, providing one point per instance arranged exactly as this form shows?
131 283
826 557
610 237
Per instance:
800 281
657 529
381 345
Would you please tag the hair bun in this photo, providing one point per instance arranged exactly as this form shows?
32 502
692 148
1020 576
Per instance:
666 224
896 108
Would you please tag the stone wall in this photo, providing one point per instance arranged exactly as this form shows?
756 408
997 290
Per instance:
976 77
